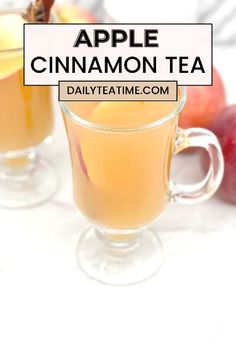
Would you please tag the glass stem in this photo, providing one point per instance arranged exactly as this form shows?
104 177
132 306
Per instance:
16 166
119 239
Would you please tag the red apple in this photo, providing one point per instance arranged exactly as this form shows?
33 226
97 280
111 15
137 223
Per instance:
203 103
70 13
224 127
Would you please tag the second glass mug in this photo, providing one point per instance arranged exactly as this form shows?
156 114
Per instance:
26 121
122 184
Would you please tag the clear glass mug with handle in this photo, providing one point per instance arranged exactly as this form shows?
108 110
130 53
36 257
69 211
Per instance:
121 178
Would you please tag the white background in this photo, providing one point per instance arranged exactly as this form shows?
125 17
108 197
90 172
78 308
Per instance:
47 305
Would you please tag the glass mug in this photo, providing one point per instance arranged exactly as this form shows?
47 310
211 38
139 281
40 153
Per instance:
26 121
121 185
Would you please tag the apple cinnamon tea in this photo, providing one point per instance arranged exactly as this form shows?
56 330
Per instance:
26 117
121 180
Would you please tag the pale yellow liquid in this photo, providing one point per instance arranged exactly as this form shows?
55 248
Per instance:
26 117
121 179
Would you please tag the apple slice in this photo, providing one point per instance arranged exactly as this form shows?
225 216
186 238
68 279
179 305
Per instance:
130 114
11 42
81 160
11 31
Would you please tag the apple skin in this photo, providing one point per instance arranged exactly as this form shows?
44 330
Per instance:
224 127
203 103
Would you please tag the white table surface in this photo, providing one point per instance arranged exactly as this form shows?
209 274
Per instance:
48 305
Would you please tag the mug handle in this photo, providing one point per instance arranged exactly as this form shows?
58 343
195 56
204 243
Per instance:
201 191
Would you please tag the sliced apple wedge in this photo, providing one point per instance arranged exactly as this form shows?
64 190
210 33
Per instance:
81 160
130 114
11 43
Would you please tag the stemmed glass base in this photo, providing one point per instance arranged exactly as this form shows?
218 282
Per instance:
122 258
26 179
